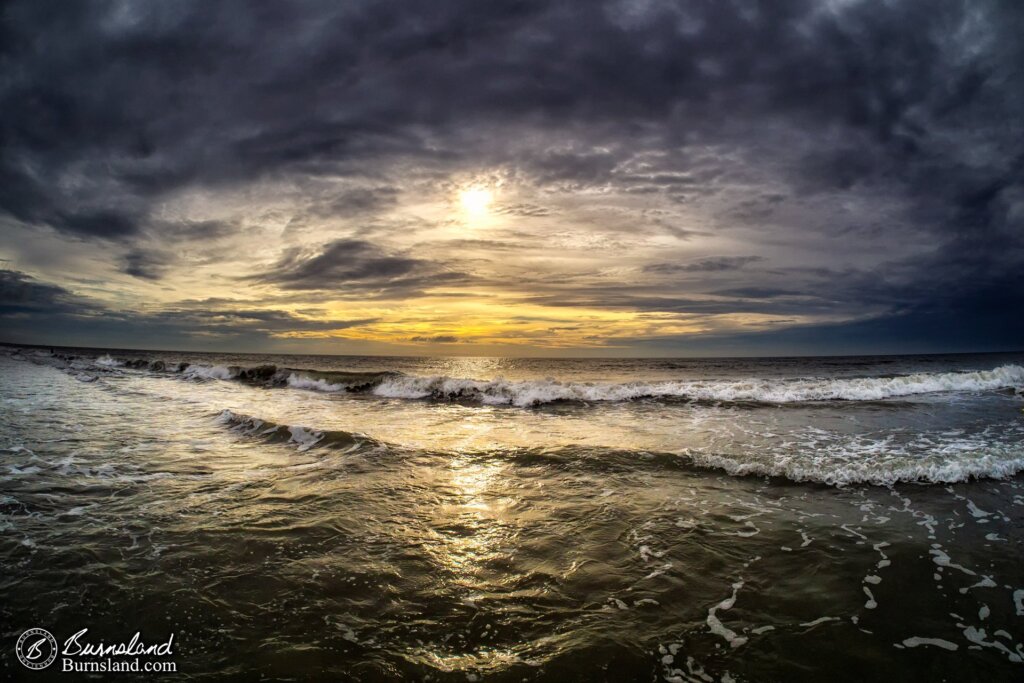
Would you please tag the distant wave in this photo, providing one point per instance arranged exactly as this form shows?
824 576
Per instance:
533 392
273 376
526 393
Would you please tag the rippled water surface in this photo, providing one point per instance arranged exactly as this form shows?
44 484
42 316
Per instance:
494 519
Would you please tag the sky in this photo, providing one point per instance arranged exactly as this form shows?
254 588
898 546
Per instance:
625 178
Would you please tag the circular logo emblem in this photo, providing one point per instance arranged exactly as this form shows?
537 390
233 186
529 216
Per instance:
37 648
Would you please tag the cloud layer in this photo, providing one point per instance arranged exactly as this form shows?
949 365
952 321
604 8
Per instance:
786 176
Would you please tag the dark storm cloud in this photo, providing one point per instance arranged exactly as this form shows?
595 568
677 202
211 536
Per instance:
356 202
157 250
654 303
756 292
109 108
146 264
436 339
355 268
22 295
340 262
237 321
30 307
169 94
706 265
576 167
194 231
108 223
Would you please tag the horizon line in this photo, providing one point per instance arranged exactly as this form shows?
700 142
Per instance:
394 355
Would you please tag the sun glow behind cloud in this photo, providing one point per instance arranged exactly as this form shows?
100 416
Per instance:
399 207
476 201
460 270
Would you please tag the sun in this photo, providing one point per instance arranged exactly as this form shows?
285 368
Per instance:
476 200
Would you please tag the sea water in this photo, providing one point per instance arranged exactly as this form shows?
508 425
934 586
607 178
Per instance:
364 518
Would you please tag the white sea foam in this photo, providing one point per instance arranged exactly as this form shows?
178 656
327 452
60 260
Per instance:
535 392
523 393
210 372
301 382
715 624
839 473
871 602
917 641
975 511
834 458
306 438
882 456
977 636
30 469
942 559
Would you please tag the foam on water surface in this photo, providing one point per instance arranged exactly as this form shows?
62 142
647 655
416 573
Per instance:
528 393
456 539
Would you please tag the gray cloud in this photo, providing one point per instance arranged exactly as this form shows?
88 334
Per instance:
524 210
29 306
772 117
756 292
146 264
340 262
705 265
356 201
436 339
22 295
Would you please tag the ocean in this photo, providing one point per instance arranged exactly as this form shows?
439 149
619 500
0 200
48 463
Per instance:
477 519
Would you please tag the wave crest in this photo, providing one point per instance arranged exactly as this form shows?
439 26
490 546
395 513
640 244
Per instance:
526 393
302 437
533 392
843 461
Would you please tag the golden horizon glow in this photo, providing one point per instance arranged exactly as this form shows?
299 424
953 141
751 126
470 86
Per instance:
446 271
511 323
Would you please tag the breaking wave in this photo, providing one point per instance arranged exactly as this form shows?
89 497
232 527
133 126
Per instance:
303 438
273 376
526 393
837 461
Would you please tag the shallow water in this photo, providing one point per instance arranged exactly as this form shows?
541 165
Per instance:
421 518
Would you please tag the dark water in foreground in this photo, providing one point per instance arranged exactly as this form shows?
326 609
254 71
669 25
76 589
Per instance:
493 519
